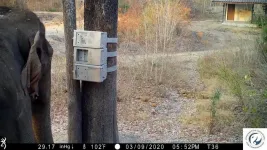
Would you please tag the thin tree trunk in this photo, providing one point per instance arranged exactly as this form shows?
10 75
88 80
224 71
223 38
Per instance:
74 101
21 4
100 99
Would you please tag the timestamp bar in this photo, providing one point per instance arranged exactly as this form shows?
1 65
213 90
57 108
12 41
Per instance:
125 146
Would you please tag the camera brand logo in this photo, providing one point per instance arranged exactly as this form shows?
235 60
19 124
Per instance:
254 138
3 143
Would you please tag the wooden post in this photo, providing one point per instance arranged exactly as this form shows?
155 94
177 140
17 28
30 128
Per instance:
74 101
252 13
223 17
99 100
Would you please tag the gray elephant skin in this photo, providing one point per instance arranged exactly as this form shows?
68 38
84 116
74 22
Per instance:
25 78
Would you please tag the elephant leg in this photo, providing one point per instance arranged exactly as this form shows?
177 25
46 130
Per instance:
15 107
17 127
41 111
25 124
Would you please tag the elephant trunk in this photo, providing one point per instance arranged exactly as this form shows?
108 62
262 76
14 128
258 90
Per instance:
41 110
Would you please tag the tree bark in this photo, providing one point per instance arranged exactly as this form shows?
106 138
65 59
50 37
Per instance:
99 100
74 101
21 4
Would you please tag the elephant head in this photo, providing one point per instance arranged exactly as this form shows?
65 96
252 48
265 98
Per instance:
33 46
28 57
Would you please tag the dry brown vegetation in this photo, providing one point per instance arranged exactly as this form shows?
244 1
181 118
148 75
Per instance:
152 30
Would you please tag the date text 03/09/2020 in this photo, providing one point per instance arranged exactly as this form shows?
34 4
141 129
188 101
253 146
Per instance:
133 146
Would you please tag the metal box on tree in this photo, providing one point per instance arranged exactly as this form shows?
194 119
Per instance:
92 39
90 56
90 72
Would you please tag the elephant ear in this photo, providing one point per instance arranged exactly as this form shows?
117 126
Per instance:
31 72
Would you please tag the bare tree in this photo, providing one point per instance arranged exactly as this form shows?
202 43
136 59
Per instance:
74 101
22 4
99 100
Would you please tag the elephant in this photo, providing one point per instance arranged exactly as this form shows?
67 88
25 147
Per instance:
25 78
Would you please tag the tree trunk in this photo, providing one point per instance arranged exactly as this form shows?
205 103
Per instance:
21 4
100 99
265 9
74 101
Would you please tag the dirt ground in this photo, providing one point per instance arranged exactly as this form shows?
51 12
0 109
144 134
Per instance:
140 121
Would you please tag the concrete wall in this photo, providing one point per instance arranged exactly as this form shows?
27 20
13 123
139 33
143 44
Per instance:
243 12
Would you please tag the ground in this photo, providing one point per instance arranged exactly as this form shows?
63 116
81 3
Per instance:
144 117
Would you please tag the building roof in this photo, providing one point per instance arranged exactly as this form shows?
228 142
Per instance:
242 1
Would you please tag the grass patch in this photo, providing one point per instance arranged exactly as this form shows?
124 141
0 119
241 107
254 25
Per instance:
151 76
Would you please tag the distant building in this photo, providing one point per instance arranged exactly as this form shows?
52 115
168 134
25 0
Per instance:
240 10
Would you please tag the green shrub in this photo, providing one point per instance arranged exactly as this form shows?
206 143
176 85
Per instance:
264 34
261 21
214 101
262 45
123 6
246 79
52 10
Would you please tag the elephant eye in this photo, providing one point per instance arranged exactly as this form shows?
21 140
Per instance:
39 52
